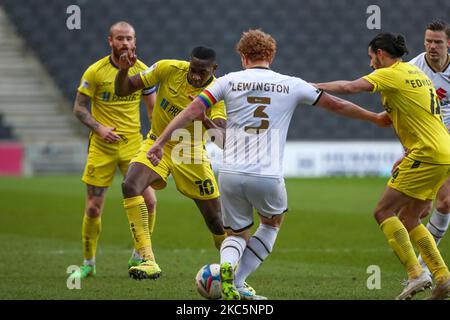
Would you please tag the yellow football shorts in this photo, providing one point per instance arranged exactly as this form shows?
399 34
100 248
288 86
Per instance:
418 179
104 158
196 181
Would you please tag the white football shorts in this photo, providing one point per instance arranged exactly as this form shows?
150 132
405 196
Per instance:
240 193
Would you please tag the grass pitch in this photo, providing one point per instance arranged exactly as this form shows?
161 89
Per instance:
328 240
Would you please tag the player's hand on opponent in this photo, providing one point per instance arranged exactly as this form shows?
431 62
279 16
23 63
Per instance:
127 59
382 120
107 134
154 155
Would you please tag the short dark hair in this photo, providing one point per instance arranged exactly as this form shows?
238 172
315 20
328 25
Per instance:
394 44
204 53
439 25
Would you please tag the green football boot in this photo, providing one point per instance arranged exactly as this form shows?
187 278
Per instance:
84 272
134 262
229 291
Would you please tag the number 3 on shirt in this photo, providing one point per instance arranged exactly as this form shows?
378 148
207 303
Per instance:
259 113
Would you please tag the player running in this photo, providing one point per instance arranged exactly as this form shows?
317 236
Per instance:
178 82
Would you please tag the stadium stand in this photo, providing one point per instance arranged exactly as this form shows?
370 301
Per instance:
5 130
318 40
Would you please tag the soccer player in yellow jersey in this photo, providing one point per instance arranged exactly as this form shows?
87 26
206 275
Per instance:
115 136
435 63
178 83
409 98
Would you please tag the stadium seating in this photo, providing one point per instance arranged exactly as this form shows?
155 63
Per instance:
318 40
5 130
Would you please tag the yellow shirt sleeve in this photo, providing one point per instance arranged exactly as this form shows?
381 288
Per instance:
382 80
153 75
88 83
217 111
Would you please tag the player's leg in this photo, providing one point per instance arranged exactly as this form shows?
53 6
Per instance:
407 193
211 212
197 182
269 197
98 175
398 238
237 213
139 177
150 201
129 147
440 217
258 248
91 228
422 238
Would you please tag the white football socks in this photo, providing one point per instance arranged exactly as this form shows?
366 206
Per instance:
437 225
90 262
258 248
232 249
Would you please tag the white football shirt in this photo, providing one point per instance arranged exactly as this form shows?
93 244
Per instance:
260 104
441 82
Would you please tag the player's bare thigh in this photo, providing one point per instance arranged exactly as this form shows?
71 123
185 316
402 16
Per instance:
443 198
138 178
393 201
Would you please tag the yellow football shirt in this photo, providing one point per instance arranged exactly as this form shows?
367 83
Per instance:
175 94
409 98
107 108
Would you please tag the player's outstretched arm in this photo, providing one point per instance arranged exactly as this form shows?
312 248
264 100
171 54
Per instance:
81 111
194 110
346 87
125 85
351 110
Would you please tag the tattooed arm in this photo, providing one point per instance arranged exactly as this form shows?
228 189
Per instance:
81 111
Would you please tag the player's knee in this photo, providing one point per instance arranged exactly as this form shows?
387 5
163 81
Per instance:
443 205
130 189
93 210
274 221
380 215
150 202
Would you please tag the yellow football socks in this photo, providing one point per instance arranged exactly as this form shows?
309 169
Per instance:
138 220
218 239
398 239
151 221
423 239
90 232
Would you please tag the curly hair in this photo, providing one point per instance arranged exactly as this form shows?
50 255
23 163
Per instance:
257 45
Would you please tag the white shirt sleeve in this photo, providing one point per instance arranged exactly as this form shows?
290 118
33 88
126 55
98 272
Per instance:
217 89
307 94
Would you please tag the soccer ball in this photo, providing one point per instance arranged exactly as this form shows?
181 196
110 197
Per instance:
208 281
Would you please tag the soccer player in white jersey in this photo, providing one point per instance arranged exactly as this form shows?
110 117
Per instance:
435 63
260 103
